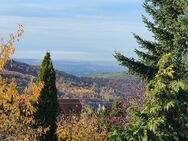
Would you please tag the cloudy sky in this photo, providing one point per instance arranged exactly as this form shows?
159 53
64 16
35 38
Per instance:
89 30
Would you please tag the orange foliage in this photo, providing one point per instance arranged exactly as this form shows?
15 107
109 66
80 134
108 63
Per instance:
16 110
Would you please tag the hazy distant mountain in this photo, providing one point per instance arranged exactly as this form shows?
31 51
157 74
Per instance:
80 68
71 86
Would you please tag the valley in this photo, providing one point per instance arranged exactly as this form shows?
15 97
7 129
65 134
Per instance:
103 87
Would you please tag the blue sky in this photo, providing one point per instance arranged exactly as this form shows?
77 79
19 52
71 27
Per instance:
74 29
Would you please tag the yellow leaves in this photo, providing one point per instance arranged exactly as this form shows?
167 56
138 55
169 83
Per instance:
81 129
169 71
32 92
176 86
78 91
164 68
16 110
82 91
169 104
166 72
164 59
12 37
7 49
2 41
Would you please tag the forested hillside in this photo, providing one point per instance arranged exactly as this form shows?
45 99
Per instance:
70 86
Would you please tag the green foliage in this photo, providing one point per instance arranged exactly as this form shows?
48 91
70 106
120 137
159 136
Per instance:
103 120
116 108
186 67
165 113
47 106
88 111
117 134
169 29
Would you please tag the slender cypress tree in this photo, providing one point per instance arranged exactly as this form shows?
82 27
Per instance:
168 27
48 105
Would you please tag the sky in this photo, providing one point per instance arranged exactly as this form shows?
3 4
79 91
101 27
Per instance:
85 30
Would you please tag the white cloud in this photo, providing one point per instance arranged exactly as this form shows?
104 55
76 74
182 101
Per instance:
78 28
86 34
91 32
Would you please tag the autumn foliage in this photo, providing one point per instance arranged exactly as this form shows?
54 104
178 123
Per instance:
81 129
16 109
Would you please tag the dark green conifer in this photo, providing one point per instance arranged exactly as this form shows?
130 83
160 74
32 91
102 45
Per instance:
169 32
164 116
47 106
165 113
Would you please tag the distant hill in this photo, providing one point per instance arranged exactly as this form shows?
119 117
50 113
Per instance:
71 86
80 68
113 76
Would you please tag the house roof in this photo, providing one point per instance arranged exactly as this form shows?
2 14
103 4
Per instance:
69 101
70 106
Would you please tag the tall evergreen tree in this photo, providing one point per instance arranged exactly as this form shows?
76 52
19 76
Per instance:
47 106
165 113
168 27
